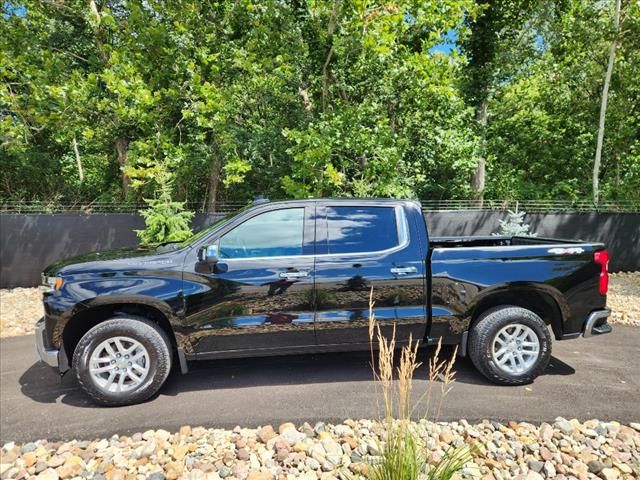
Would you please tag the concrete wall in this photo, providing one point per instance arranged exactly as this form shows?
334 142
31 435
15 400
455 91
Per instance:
28 243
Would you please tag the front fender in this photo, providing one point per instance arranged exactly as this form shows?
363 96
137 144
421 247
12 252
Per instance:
79 295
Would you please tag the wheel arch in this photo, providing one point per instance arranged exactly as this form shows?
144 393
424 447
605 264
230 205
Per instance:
93 314
548 304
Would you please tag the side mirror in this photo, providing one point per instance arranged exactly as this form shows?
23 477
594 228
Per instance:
208 254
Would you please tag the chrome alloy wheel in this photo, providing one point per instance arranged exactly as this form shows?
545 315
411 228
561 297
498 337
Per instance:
119 364
515 349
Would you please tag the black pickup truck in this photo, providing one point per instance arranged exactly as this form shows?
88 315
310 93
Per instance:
296 276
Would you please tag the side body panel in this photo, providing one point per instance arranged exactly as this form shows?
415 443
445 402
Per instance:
462 278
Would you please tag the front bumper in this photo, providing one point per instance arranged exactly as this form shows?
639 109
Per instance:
596 323
46 354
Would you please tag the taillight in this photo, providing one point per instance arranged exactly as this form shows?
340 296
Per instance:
602 257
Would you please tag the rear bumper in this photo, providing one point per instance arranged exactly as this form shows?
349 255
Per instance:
46 354
596 323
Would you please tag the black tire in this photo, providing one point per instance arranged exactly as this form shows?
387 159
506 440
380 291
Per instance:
484 331
147 333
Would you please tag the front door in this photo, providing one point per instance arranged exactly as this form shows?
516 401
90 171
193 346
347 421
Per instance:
259 297
365 250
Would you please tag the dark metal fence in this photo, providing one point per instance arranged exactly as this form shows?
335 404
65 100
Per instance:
20 207
30 242
17 207
531 205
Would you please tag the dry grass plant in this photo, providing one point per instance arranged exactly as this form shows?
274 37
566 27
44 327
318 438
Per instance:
403 451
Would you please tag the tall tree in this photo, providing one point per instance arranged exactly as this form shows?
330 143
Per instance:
501 39
542 131
391 120
604 100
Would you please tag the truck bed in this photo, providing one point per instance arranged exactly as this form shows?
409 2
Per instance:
494 241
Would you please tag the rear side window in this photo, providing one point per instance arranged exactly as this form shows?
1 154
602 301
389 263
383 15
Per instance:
363 229
270 234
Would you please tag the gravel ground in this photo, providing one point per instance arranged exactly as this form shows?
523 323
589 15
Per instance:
564 450
20 308
624 298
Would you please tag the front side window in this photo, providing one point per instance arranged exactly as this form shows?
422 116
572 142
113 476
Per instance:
362 229
271 234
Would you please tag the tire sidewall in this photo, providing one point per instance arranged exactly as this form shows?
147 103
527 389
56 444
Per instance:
150 337
512 316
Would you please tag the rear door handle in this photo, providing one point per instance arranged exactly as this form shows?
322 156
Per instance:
403 270
293 274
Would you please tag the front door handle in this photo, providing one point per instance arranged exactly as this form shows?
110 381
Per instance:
293 274
403 270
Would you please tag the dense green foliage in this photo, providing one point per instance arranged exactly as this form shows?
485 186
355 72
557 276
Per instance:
301 98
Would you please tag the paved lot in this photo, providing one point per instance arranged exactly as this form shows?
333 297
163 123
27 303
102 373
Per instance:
588 378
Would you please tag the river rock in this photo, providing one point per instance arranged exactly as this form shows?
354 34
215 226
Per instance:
48 474
609 474
535 465
266 433
28 447
565 426
312 464
292 436
260 476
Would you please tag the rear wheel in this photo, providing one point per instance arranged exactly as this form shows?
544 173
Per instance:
122 361
510 345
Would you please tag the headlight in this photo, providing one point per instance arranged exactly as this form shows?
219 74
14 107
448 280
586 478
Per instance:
50 284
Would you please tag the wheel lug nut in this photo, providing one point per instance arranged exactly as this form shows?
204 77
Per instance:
126 356
129 363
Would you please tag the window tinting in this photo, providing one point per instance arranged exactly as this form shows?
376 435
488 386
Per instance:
270 234
361 229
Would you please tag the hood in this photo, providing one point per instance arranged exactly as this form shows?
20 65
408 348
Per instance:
118 259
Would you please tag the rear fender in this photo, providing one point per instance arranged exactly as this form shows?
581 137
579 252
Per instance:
545 300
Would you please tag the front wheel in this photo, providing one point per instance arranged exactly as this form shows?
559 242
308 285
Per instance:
510 345
122 361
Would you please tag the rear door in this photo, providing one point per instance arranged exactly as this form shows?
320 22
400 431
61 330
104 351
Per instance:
361 247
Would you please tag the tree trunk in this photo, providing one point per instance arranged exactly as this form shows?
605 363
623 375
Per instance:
78 159
122 148
214 186
325 80
478 177
326 67
603 105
